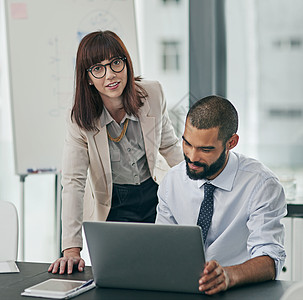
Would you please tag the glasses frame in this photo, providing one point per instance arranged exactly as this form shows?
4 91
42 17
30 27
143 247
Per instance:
109 64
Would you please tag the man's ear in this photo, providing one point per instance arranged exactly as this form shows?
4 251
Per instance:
232 142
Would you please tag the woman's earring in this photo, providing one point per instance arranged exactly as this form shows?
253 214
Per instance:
90 83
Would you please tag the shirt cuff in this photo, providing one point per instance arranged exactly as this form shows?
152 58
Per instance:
278 255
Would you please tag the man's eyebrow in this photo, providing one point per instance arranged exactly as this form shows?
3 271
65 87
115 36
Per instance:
185 140
207 147
201 147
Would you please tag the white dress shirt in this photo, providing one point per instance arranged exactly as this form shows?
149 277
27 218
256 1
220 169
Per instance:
249 203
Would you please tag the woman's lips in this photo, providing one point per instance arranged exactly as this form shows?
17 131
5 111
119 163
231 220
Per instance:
113 85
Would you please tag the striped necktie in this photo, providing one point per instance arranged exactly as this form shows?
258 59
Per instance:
206 209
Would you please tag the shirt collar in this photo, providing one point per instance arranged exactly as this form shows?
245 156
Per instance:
226 178
106 118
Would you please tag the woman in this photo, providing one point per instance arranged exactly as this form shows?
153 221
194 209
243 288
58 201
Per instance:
117 126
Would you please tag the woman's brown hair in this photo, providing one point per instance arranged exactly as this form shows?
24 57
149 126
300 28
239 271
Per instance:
94 48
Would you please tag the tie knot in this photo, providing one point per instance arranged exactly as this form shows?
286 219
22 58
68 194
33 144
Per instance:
209 188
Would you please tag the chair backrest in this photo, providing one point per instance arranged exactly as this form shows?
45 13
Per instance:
295 292
8 231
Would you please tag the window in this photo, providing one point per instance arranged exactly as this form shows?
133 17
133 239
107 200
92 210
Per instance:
171 1
170 55
264 80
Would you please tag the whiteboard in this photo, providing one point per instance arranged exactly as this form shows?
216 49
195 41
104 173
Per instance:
43 37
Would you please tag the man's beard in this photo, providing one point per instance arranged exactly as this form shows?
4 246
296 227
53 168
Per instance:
208 170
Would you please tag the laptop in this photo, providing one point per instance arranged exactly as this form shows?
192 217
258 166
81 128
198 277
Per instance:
146 256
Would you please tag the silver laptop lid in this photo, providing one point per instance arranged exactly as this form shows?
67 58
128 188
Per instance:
146 256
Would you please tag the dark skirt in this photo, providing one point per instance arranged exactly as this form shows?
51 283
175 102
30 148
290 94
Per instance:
134 203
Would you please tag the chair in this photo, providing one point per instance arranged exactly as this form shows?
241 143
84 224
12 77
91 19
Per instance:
295 292
8 231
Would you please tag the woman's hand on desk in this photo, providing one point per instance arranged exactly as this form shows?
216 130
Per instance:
66 263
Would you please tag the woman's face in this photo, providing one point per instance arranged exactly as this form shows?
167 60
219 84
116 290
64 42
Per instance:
112 84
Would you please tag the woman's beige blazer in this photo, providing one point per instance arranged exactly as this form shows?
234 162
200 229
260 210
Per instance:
86 167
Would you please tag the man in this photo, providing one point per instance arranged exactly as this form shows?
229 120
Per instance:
244 241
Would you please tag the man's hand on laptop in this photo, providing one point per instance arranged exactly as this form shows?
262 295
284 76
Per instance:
71 257
214 278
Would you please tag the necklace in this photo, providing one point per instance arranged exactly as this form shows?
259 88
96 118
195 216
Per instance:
119 138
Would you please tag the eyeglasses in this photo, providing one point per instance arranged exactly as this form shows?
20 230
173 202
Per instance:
98 70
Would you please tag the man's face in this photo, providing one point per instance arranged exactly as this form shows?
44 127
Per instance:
205 155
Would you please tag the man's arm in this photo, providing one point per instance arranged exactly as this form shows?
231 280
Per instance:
164 214
216 278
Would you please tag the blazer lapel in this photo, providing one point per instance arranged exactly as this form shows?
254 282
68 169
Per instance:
101 143
148 130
